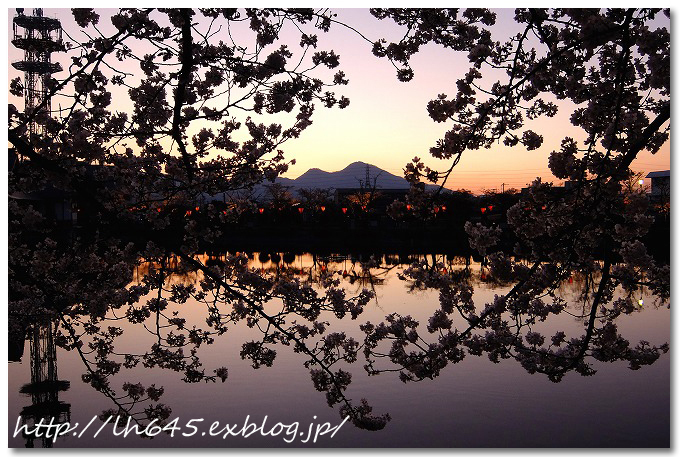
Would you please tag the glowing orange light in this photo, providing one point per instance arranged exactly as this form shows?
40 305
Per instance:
443 207
197 208
543 207
188 213
490 207
261 210
408 207
344 210
483 210
323 208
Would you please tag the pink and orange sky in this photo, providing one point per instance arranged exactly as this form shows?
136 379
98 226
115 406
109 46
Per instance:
387 124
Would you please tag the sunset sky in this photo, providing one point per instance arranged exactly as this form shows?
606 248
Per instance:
387 123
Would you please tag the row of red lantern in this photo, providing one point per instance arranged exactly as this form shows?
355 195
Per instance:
442 208
301 209
344 210
322 208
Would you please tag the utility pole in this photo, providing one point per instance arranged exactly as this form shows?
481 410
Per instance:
503 188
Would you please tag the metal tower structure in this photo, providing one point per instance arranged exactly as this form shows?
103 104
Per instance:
39 37
45 385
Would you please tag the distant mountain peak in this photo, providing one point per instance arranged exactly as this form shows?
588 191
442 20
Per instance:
349 177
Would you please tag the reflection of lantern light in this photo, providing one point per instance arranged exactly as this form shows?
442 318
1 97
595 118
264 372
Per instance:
483 210
261 210
408 207
344 210
300 210
323 208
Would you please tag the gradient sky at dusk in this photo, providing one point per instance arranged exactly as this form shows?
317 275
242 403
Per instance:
387 123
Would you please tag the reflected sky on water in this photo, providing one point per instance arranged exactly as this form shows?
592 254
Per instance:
474 403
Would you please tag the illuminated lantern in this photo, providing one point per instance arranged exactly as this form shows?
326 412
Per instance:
159 210
344 210
197 208
436 209
443 207
344 273
300 210
543 207
571 280
188 213
363 207
490 207
323 208
261 210
224 212
408 207
483 210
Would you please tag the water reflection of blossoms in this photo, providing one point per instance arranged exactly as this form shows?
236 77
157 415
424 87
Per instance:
288 304
286 308
505 328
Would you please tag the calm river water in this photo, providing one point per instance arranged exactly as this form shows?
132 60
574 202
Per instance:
475 403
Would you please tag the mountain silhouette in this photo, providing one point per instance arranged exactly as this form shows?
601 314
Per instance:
350 177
